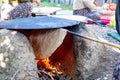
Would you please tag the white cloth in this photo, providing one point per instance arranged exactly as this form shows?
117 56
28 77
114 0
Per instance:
80 4
45 42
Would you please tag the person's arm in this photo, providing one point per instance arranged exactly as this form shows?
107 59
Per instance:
89 4
37 2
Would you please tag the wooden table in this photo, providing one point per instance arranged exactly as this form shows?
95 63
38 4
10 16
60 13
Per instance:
45 10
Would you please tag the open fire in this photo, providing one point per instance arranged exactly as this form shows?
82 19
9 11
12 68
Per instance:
50 72
60 65
45 67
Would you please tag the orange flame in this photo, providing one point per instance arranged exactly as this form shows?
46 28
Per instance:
45 63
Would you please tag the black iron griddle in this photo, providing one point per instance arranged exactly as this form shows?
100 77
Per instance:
42 22
48 22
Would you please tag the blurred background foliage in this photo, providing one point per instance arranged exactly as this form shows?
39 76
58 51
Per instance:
48 4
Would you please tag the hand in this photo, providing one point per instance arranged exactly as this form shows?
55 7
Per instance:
37 2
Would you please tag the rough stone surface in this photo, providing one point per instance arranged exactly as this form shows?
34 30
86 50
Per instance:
94 61
16 57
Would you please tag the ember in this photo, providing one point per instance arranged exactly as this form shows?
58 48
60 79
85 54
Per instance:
60 65
48 71
45 64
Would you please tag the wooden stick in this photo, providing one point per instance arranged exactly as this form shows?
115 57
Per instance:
46 74
95 40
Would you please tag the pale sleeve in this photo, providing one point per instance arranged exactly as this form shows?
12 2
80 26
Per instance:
89 4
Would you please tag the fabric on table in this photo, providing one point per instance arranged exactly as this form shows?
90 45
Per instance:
82 12
94 15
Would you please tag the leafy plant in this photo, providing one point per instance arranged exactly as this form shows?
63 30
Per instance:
63 6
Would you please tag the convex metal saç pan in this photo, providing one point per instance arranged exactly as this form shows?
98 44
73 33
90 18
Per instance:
47 22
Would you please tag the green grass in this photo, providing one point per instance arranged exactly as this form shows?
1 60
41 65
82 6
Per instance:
46 3
63 6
